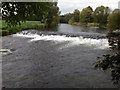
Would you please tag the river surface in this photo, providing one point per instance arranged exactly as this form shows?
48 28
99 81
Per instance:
55 59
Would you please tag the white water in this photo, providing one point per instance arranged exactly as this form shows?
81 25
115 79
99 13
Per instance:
72 41
5 51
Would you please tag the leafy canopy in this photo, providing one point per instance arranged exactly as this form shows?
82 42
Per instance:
15 12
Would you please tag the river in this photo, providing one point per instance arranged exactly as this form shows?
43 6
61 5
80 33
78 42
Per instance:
55 59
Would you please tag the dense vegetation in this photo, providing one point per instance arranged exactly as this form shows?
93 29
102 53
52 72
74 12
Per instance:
112 61
65 18
101 17
15 14
86 15
48 16
6 30
114 20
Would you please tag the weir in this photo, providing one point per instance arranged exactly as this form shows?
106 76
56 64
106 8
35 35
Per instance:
82 39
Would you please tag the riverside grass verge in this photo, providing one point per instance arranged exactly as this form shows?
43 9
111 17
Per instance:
6 30
83 24
88 25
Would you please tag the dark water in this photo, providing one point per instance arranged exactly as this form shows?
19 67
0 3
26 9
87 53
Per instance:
91 32
61 59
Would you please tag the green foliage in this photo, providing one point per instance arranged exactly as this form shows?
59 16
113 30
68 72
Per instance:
25 25
4 32
16 12
86 15
52 15
114 40
76 15
71 21
3 25
114 20
111 62
100 15
65 18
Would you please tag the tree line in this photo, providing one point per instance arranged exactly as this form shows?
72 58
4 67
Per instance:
48 13
102 17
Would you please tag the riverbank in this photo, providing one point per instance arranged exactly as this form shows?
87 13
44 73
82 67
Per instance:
5 30
88 25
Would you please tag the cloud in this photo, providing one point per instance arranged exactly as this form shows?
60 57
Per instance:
67 6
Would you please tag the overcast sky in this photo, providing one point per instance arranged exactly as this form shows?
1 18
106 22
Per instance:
67 6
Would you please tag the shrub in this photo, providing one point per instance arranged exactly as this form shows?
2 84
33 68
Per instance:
4 32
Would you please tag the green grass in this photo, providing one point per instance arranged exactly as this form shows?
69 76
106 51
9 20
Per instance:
2 24
92 24
88 24
77 23
24 26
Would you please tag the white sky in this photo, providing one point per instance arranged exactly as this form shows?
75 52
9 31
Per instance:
67 6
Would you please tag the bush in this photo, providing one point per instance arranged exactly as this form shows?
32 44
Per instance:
4 32
24 26
13 30
111 62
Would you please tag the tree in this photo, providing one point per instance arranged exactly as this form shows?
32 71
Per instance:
114 20
63 19
71 21
66 17
100 15
86 15
76 15
52 16
112 61
15 12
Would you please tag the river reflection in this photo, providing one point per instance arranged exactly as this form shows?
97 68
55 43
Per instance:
77 29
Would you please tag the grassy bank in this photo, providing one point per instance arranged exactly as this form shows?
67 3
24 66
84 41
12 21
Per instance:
6 30
89 24
83 24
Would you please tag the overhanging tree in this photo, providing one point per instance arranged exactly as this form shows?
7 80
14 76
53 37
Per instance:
86 16
16 12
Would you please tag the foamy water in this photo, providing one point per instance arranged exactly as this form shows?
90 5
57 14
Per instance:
5 51
72 41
